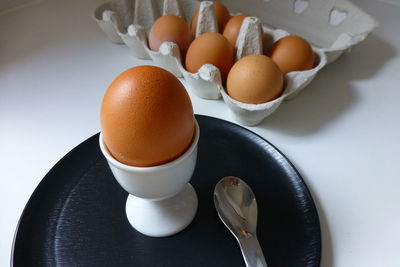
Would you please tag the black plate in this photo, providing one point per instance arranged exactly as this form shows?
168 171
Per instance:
76 216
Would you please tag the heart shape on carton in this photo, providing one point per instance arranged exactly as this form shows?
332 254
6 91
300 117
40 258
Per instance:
300 5
337 16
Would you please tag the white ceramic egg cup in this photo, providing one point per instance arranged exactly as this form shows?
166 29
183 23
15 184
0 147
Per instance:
161 201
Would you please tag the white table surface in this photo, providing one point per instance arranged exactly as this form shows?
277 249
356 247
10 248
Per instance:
342 132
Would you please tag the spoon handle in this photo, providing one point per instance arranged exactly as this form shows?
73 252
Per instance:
252 252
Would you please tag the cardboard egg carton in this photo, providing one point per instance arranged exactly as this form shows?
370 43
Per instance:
332 27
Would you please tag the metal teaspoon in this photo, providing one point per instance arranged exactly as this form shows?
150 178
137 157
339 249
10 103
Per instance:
237 208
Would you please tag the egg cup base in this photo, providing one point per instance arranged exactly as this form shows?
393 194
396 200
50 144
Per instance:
164 217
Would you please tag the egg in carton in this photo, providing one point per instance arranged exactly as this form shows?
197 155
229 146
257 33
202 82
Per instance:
332 27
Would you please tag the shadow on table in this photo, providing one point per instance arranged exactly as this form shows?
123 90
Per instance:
331 93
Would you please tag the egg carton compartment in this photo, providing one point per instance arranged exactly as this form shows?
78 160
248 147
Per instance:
331 27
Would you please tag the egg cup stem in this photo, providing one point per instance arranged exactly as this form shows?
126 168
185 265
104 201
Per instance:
165 217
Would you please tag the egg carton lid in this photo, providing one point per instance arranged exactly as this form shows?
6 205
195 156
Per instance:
321 22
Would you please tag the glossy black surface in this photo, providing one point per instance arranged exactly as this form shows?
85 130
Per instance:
76 216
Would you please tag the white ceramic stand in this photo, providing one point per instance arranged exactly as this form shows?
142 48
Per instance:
165 217
161 201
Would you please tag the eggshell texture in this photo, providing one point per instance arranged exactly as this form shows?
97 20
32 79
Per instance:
292 53
232 28
221 13
173 29
255 79
146 117
210 48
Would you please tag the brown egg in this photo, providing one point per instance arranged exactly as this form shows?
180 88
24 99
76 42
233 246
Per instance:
254 79
232 28
210 48
173 29
146 117
221 13
292 53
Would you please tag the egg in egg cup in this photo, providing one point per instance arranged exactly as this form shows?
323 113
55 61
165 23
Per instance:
161 201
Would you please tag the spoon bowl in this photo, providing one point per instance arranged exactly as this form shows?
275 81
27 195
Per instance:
236 205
